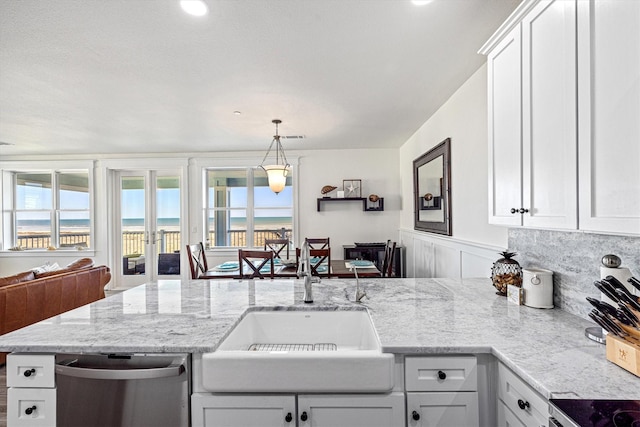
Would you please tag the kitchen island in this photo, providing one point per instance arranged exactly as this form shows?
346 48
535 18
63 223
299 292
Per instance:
546 348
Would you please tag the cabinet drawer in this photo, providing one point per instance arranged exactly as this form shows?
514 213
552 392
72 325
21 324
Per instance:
530 408
31 407
506 418
31 370
450 373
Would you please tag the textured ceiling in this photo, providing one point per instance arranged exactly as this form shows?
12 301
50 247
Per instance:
134 76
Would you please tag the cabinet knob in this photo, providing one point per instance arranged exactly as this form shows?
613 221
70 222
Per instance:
523 404
288 418
514 210
523 210
304 416
29 411
415 415
29 372
442 375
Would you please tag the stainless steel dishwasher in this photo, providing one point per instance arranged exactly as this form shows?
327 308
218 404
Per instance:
128 390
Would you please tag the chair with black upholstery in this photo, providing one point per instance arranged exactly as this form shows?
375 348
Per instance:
322 256
280 247
197 261
318 243
387 263
255 260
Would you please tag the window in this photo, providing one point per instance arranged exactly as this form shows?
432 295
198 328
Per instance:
241 210
45 209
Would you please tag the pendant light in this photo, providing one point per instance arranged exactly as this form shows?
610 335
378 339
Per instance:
277 172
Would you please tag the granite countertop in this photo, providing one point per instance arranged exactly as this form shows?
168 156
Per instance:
547 348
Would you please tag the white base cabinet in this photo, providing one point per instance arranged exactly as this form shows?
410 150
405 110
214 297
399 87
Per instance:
442 391
519 404
445 409
216 410
31 394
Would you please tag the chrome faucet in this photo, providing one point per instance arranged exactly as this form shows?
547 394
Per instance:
304 269
360 293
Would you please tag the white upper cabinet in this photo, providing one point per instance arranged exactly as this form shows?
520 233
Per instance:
549 135
564 145
532 118
505 130
609 115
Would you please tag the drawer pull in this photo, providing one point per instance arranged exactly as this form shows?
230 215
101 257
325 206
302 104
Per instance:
29 372
442 375
288 418
415 415
522 404
29 411
304 416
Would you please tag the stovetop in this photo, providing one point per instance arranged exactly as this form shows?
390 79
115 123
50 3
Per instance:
600 413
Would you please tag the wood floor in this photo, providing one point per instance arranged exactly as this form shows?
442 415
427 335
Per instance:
3 396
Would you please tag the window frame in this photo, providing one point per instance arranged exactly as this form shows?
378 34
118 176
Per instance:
8 203
203 165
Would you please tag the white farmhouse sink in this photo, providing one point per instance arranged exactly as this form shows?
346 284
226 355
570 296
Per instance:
300 351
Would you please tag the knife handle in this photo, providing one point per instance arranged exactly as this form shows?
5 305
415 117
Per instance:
634 282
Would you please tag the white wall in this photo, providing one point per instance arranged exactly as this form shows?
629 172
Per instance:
344 222
463 118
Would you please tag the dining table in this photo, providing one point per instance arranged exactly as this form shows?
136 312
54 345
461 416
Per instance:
343 269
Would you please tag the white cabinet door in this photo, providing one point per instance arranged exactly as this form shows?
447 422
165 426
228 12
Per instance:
549 140
443 409
351 410
506 418
505 132
608 115
242 411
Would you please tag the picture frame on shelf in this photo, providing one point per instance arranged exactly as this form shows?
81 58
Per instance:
352 188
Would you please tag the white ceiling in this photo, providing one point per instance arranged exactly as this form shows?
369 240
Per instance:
127 76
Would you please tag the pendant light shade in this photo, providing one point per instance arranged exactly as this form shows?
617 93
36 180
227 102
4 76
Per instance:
278 171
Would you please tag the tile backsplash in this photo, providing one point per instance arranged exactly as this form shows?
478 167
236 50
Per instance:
575 259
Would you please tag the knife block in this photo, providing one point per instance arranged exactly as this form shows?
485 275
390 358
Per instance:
623 353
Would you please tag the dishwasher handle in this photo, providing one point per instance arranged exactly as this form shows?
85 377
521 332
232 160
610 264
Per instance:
119 374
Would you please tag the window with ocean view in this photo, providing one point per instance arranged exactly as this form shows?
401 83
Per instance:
49 210
242 211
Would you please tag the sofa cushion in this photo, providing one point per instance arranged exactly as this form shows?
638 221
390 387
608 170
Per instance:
17 278
80 263
46 268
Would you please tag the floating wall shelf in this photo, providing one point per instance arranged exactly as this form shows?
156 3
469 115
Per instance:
367 207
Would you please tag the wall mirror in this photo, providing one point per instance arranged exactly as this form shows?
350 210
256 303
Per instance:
432 189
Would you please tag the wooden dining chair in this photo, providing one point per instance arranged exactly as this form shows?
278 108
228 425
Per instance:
387 262
323 257
255 260
318 243
197 261
280 247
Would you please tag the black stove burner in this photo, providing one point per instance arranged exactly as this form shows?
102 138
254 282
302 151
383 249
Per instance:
601 413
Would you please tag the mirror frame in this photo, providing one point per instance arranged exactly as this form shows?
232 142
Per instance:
442 149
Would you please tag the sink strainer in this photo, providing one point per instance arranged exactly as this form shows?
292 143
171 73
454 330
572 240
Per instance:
294 347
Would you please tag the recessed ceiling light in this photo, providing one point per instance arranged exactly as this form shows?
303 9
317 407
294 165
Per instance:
421 2
237 113
194 7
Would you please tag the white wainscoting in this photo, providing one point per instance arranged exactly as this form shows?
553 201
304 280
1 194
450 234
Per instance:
431 255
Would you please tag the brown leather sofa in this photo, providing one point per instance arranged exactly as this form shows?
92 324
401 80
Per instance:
29 297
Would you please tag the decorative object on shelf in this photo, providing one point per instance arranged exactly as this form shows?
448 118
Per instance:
506 271
327 189
277 172
352 187
374 203
340 194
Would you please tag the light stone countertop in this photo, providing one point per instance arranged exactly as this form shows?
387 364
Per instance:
547 348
